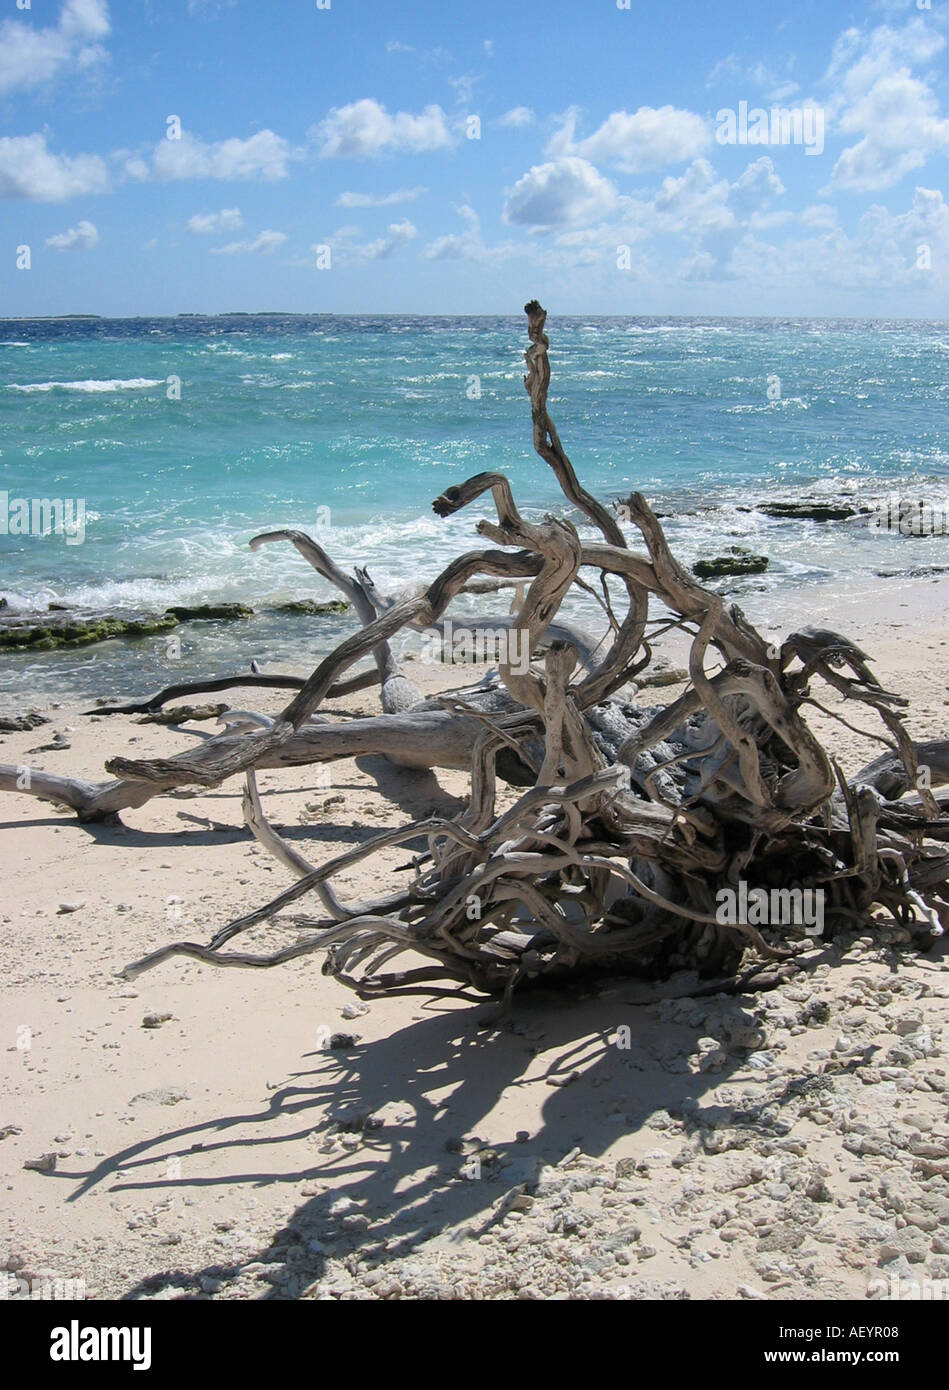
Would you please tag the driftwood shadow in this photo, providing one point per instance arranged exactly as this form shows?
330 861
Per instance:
409 1177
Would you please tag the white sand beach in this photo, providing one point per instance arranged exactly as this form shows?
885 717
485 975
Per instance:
257 1134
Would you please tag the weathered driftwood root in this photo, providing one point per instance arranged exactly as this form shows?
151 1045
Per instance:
632 820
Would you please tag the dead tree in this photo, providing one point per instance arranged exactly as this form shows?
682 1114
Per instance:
632 820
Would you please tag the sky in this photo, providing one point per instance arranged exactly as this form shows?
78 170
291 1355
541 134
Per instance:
453 157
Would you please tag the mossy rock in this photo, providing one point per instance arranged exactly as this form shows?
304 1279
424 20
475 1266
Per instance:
202 612
79 632
737 561
809 511
307 605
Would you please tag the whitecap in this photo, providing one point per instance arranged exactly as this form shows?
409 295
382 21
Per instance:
92 387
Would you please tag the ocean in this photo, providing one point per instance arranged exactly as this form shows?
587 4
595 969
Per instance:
186 436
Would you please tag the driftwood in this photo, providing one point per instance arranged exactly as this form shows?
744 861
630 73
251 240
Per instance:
632 820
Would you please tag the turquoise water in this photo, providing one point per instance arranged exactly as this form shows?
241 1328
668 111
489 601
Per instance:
351 426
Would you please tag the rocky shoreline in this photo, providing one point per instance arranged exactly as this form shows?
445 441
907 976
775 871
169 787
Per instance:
60 626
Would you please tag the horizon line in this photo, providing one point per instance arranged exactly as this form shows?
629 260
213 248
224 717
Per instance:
390 313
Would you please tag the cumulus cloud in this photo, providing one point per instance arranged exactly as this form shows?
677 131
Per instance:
895 113
699 204
365 128
261 156
756 186
451 247
263 244
28 169
649 138
380 200
696 203
883 253
82 237
209 223
32 57
561 192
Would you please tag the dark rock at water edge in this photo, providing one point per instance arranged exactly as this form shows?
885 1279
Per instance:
306 605
737 561
46 632
226 612
21 723
809 510
60 626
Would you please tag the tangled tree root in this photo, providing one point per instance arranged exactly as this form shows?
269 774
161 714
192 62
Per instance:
631 822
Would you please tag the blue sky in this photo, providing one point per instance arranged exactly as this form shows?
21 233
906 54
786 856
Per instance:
461 157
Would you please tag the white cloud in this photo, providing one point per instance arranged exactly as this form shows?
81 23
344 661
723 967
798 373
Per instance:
464 88
266 242
701 266
860 59
729 67
763 221
699 208
558 193
517 117
208 223
777 85
820 216
381 200
424 55
398 235
347 249
757 185
134 166
84 236
703 208
446 248
696 203
209 9
895 114
261 156
881 255
365 128
32 57
635 141
29 170
466 245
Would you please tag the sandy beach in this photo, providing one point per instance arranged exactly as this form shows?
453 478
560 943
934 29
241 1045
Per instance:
225 1134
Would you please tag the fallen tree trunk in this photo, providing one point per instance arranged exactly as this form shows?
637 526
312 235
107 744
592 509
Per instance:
638 829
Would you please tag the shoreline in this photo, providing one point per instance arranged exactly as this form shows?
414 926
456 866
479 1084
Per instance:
162 1132
828 602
